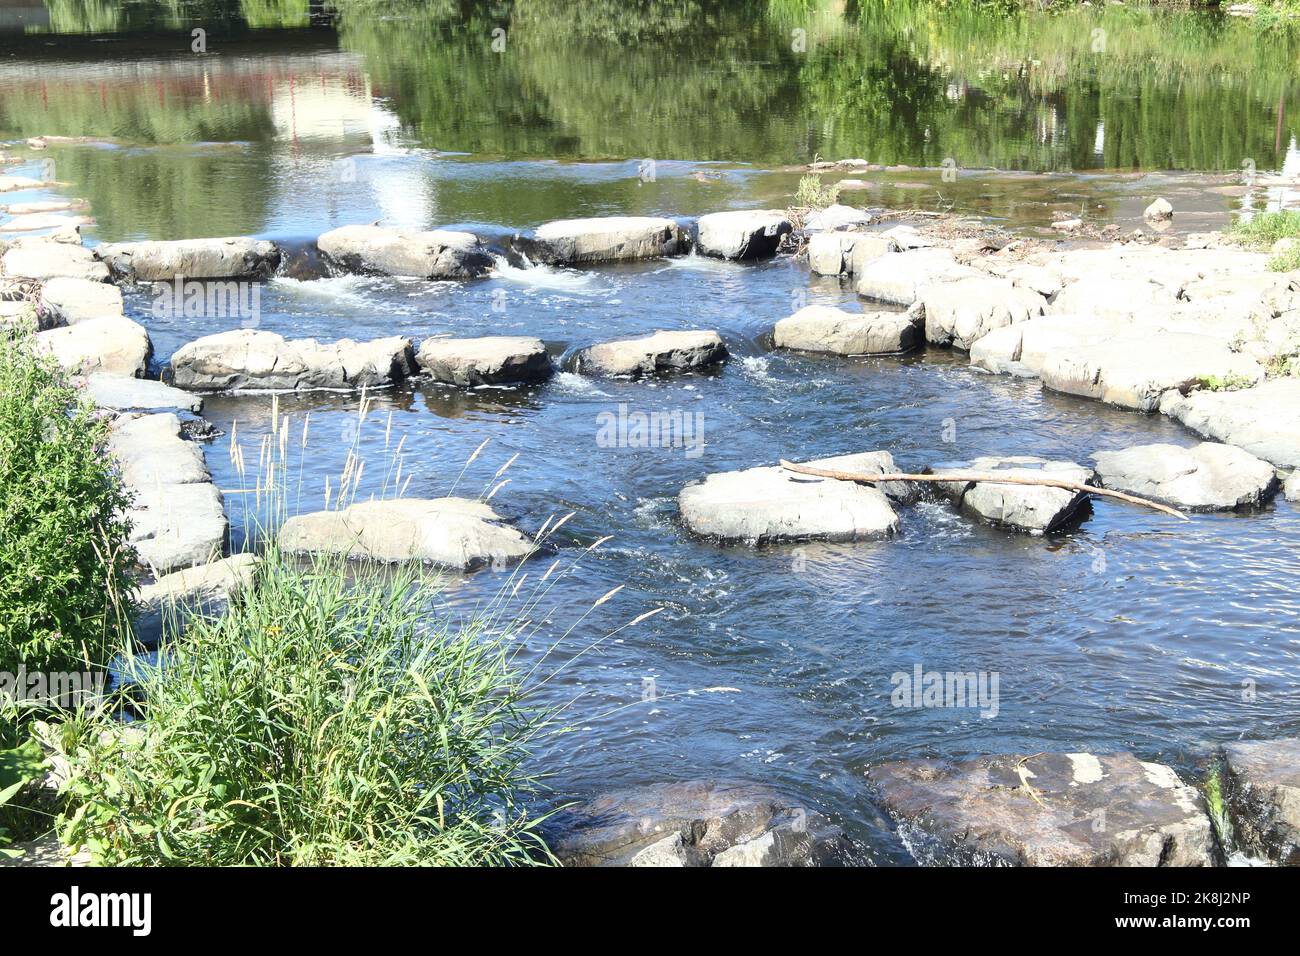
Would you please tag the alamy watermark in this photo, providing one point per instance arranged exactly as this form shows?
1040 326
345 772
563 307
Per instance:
65 689
209 300
675 428
933 689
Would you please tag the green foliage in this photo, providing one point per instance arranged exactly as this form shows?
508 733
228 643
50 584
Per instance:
811 194
64 551
1225 383
1263 229
324 720
1217 805
1285 261
21 764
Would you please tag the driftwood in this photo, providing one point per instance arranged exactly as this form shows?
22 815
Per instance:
977 476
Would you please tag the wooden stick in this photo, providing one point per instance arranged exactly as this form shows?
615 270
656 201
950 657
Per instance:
979 476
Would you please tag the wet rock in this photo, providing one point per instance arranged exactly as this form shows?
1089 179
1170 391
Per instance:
1035 508
1160 209
120 393
48 259
232 257
435 254
831 253
1264 797
764 504
72 300
661 352
253 359
177 515
607 239
1051 809
694 823
823 328
743 233
1136 370
449 532
897 278
836 216
1205 477
961 312
491 360
206 589
1264 420
114 345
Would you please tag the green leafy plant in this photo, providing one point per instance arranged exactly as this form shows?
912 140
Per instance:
64 552
1265 228
21 765
811 194
1225 383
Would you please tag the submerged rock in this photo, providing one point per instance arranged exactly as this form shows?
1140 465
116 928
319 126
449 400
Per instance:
661 352
48 259
694 823
823 328
743 233
71 300
233 257
1264 797
122 394
435 254
1035 508
1206 477
449 532
607 239
113 345
961 312
763 504
1050 809
1264 420
252 359
897 278
491 360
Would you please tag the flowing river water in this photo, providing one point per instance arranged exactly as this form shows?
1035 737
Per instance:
1133 632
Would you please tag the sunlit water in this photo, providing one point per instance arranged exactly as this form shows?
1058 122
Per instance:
1134 632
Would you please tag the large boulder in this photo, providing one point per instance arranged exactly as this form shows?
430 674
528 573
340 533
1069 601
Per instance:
1136 370
661 352
757 505
449 532
1047 809
831 253
114 345
492 360
694 823
234 257
1264 797
1264 420
897 278
961 312
177 515
72 300
119 393
47 259
606 239
253 359
1034 508
1206 477
823 328
435 254
743 233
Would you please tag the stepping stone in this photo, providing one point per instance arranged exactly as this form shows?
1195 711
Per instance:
694 823
206 589
1206 477
1113 298
660 352
436 254
831 253
1291 487
897 278
120 393
250 359
743 233
823 328
1034 508
233 257
10 184
492 360
836 216
1264 420
1264 797
449 532
1050 809
606 239
114 345
961 312
36 221
50 259
759 505
71 300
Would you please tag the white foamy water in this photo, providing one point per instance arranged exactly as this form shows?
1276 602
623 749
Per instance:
575 384
348 288
548 277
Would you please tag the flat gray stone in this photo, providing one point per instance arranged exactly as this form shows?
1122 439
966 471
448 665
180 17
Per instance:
492 360
607 239
230 257
113 345
1291 487
660 352
206 589
1033 508
449 532
250 359
1264 797
824 328
434 254
49 259
831 253
897 278
122 394
75 300
836 216
1264 420
758 505
743 233
961 312
1205 477
1050 809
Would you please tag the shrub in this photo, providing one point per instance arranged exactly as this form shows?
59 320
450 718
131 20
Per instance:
64 549
1265 228
811 194
21 765
327 718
